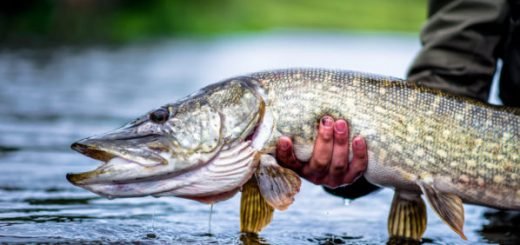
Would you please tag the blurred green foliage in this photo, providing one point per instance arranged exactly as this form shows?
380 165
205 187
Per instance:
119 20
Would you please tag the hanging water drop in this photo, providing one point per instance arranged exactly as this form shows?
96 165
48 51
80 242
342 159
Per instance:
153 219
347 202
152 234
209 221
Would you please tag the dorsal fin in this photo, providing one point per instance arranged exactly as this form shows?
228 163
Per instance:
448 206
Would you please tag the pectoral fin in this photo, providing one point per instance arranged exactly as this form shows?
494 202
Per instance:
407 219
278 185
272 187
255 212
448 206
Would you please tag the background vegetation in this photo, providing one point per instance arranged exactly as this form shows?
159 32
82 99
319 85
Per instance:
119 20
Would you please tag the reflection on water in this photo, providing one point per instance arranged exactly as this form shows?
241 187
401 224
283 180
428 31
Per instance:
50 98
251 238
502 227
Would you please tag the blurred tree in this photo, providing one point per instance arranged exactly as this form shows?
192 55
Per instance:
119 20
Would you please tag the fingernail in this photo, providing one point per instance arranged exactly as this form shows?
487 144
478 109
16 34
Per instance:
284 145
340 126
327 122
358 143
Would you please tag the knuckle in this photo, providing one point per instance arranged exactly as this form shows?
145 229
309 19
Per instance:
338 165
338 171
340 140
317 169
312 171
360 154
326 133
360 160
358 168
326 137
340 155
321 162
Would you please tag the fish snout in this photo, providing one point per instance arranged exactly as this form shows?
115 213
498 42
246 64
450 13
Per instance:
93 148
79 146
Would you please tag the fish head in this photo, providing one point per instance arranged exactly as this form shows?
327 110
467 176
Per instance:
165 149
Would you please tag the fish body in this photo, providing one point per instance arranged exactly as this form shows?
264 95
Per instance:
466 147
208 145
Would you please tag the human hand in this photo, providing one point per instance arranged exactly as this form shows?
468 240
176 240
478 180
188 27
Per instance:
329 164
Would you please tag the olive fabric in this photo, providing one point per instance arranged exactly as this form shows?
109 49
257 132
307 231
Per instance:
361 187
509 88
462 41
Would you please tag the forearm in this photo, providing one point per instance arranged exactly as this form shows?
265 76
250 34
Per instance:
461 43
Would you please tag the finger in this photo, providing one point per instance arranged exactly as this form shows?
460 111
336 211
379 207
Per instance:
359 162
323 147
340 151
285 155
333 183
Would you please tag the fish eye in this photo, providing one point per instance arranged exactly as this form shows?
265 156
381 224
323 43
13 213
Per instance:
160 115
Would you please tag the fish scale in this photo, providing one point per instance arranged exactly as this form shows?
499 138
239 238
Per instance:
420 131
222 139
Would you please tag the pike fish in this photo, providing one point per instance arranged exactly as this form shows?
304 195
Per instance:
221 140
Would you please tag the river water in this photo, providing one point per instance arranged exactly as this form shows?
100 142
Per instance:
54 96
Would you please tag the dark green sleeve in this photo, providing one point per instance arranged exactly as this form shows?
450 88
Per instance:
361 187
509 88
461 42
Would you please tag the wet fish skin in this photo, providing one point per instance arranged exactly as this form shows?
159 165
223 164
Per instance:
213 142
465 147
202 146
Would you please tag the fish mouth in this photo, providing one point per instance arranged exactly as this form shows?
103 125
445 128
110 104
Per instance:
218 178
115 155
92 151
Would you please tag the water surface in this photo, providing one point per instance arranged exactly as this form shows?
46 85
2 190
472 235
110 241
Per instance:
50 98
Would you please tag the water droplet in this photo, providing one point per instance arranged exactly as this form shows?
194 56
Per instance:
209 221
347 202
153 220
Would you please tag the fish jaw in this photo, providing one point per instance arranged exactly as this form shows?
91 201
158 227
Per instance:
127 161
214 181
